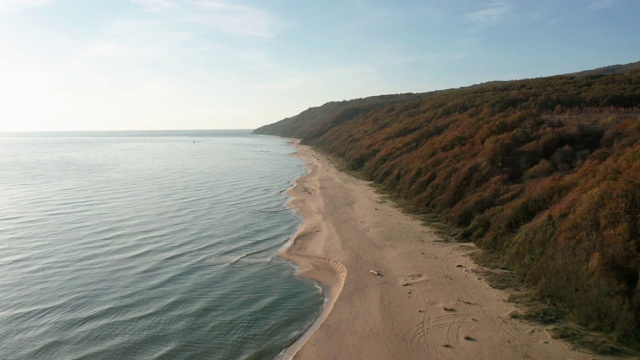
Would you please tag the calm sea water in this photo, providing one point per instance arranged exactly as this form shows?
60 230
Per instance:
148 246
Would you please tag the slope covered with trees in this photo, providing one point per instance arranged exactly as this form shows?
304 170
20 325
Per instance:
544 173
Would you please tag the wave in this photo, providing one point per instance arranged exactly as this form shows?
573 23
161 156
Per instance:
235 259
148 248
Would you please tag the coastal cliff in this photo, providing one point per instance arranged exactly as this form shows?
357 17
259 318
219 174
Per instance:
542 173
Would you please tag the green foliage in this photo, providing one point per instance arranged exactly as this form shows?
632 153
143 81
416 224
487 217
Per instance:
588 340
545 173
541 314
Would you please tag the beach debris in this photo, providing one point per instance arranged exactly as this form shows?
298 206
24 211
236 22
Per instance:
406 284
468 338
446 346
464 301
375 273
459 265
448 309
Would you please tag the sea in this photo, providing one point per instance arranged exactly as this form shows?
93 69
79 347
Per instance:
149 245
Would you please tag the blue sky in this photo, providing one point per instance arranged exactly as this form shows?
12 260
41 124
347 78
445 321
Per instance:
208 64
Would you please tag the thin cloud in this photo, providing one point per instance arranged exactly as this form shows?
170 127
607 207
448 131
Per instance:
233 19
155 5
135 41
601 4
17 5
226 17
177 26
489 16
188 28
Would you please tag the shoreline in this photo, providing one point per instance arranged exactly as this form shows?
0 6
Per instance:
330 274
395 289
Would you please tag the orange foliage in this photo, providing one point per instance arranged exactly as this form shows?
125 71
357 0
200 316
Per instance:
544 172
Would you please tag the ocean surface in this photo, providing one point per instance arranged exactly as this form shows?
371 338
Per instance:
148 245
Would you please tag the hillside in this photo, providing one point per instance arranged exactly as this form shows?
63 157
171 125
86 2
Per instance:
321 118
544 173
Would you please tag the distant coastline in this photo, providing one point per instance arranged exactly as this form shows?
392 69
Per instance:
127 133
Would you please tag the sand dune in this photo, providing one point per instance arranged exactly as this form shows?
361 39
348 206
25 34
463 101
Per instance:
426 300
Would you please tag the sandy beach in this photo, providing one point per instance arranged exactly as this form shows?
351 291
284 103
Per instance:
396 291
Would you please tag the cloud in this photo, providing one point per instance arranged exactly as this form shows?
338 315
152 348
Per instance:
129 43
491 15
178 61
233 19
229 18
195 29
17 5
155 5
601 4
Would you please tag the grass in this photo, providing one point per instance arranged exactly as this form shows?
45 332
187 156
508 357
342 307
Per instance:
541 314
497 274
595 342
537 310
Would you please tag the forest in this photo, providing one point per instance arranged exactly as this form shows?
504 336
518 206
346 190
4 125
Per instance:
543 173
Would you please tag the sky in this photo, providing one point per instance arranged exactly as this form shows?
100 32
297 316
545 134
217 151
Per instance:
222 64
